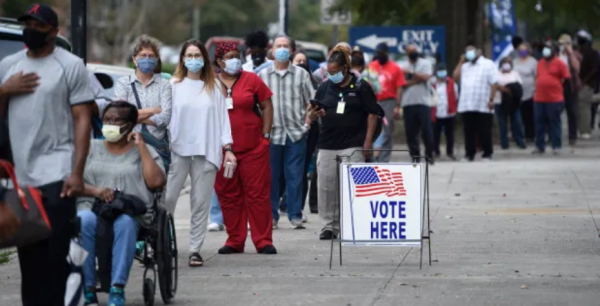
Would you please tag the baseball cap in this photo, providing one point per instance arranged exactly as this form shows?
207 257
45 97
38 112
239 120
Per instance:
564 39
382 47
584 34
41 12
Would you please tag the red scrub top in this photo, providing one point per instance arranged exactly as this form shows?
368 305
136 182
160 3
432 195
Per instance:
246 123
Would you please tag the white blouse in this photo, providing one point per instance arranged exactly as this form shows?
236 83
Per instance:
199 121
504 79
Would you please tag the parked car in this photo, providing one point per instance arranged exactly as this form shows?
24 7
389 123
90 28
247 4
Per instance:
315 51
113 72
11 37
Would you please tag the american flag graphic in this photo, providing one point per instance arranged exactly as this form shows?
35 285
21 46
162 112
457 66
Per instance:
371 181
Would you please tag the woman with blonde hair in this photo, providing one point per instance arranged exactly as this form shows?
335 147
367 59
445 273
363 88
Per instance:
200 133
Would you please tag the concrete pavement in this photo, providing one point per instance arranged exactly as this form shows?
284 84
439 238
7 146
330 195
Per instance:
519 230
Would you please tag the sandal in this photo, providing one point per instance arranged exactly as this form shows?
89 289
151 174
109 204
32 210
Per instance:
196 260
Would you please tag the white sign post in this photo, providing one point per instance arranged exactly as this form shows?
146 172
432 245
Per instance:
384 205
335 18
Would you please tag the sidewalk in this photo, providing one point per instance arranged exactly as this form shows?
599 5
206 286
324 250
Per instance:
516 231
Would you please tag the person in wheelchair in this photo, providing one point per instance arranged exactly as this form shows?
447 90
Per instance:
122 161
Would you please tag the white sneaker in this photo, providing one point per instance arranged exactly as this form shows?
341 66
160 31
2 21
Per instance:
304 218
556 151
586 136
214 227
486 159
275 226
297 224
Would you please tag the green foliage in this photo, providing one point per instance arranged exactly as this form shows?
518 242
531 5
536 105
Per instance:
5 256
15 8
390 12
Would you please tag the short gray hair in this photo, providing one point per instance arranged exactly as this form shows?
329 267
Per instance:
283 36
146 42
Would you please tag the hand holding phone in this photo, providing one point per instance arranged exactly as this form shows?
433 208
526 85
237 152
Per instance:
317 105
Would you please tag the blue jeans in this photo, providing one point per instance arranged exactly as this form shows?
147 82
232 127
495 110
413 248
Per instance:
125 237
516 126
216 216
547 118
289 157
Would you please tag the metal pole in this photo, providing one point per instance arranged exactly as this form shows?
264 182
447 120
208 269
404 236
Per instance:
79 28
336 32
283 17
196 23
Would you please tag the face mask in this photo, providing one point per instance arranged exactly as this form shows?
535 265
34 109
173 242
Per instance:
523 53
35 39
442 74
506 67
194 65
258 59
413 56
470 55
233 66
282 55
382 59
112 133
146 65
581 41
336 78
547 52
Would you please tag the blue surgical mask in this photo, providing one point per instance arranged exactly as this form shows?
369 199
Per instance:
146 64
194 65
442 74
233 66
336 78
282 54
470 55
547 52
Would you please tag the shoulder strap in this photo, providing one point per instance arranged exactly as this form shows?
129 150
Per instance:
137 97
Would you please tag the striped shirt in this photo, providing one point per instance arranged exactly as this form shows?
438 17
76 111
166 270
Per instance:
157 93
292 89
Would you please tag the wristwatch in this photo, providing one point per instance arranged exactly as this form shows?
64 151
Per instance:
228 149
306 127
266 135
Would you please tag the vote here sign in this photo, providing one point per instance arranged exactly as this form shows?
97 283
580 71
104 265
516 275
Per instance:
381 204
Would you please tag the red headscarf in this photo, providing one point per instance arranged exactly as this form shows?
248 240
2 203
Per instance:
223 48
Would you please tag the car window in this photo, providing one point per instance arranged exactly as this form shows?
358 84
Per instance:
315 55
8 47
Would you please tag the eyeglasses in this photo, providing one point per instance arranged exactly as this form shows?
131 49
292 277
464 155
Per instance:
114 121
145 55
193 56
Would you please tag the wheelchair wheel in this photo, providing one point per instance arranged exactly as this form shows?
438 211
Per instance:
149 291
166 258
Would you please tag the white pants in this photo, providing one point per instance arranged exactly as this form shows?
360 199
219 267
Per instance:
203 175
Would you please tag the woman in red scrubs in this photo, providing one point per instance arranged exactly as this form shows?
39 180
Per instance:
246 196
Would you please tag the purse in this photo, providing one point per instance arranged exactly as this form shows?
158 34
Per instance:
25 203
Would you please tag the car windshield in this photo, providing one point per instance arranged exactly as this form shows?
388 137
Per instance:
8 47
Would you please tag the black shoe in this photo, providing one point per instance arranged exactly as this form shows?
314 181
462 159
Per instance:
505 147
327 235
226 250
268 250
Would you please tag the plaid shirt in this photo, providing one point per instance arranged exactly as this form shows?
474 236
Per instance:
291 92
476 80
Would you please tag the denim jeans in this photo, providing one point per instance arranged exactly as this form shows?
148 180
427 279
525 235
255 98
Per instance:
547 118
125 237
216 216
516 126
289 157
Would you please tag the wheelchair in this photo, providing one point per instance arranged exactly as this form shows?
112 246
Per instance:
159 257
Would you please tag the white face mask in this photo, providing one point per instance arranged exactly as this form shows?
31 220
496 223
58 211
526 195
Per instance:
506 67
112 133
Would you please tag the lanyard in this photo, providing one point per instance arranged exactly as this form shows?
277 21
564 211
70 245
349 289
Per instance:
229 90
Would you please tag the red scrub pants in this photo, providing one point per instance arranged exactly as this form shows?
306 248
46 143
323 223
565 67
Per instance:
246 197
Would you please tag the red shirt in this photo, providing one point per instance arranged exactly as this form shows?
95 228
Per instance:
391 78
549 82
246 124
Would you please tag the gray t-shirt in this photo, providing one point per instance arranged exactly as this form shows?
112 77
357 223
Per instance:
124 172
418 94
41 123
528 71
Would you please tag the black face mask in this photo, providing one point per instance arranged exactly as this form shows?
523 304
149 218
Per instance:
258 59
383 58
34 39
582 42
413 56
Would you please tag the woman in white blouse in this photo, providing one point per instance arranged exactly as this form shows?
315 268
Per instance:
504 112
200 133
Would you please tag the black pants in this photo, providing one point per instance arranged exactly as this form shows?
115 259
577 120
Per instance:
528 119
44 267
446 124
572 108
417 119
478 125
311 145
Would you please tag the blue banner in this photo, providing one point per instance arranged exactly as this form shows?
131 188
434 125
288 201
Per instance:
504 27
430 40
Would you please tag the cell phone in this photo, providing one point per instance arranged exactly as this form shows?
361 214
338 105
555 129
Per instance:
317 104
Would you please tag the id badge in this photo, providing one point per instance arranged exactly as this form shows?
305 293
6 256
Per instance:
229 103
341 107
